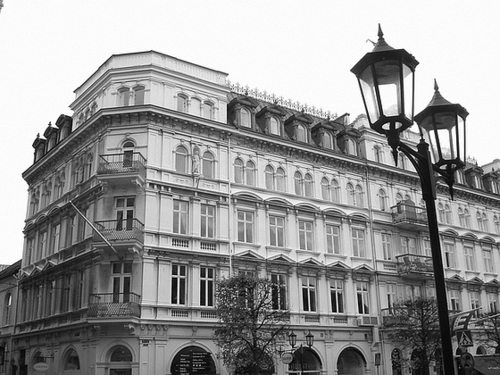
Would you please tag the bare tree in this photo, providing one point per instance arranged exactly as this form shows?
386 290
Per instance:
414 324
487 331
250 322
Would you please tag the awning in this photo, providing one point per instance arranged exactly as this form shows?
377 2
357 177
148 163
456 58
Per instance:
487 364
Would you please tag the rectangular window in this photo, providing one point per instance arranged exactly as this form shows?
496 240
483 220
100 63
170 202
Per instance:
278 291
70 225
391 296
475 302
42 244
470 261
55 237
207 279
333 239
30 247
337 295
449 254
306 240
82 223
386 246
121 274
180 224
493 302
245 226
207 221
488 261
454 296
427 248
358 242
277 231
309 293
362 296
178 284
408 245
124 208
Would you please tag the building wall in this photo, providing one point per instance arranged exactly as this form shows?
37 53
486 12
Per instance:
183 196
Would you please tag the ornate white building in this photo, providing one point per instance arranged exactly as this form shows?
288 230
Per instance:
185 177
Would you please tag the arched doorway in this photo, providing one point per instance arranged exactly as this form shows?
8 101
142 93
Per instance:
120 359
305 361
396 357
71 362
193 360
351 362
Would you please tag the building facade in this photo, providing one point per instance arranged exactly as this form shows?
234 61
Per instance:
166 177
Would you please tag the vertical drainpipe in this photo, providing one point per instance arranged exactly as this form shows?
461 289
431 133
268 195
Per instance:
230 206
374 257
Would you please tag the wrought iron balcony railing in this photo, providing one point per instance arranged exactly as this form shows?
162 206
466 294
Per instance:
414 263
120 230
409 215
114 304
127 162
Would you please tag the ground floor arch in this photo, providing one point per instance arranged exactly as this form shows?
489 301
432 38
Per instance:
351 362
193 360
305 361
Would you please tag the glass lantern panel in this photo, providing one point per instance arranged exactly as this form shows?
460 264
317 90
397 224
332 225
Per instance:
408 92
368 91
389 86
445 123
461 152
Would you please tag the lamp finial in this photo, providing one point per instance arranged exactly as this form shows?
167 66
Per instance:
436 87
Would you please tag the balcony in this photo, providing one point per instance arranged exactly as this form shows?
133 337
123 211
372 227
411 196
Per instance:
120 230
114 304
122 169
414 265
409 216
132 162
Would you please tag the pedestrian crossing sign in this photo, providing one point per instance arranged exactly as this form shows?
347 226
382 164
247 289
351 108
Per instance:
464 338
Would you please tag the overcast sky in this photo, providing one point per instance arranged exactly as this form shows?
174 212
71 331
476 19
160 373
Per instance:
302 50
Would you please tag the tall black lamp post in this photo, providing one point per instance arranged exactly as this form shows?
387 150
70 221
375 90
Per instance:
292 340
386 79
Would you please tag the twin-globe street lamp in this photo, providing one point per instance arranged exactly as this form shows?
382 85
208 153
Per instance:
386 80
292 340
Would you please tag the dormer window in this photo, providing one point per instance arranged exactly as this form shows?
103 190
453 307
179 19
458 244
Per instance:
245 118
274 127
350 147
328 141
301 133
123 97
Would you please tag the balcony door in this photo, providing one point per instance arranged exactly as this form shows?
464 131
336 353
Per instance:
124 208
122 273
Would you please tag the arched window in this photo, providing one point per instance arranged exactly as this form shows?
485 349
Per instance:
350 147
195 107
479 221
467 218
274 127
325 189
328 141
128 154
181 159
7 309
378 154
447 213
250 173
335 191
350 194
208 164
382 199
441 213
399 198
298 182
123 97
139 95
358 197
72 361
245 119
461 217
280 180
238 171
182 103
402 161
301 133
269 172
496 223
208 110
485 222
308 185
120 354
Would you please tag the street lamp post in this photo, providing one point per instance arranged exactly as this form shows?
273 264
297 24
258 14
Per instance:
386 80
292 340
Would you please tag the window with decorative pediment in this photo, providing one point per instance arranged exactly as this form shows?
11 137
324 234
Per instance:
328 140
123 97
208 110
382 198
301 133
298 183
250 173
274 126
139 95
208 164
335 191
325 189
245 118
195 107
182 103
308 185
269 172
181 159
